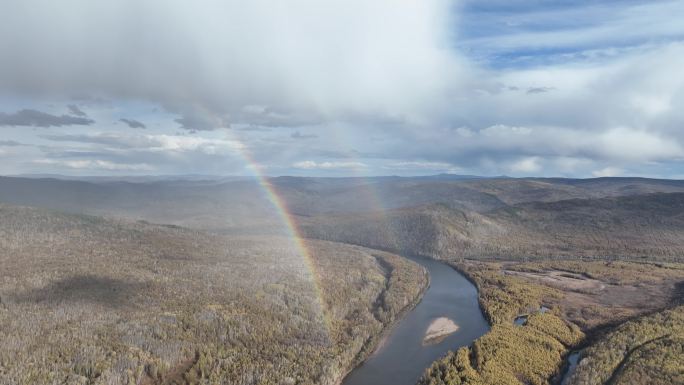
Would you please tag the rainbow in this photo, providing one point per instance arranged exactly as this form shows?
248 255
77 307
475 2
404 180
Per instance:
368 192
293 233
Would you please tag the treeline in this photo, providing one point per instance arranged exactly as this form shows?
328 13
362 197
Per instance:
648 350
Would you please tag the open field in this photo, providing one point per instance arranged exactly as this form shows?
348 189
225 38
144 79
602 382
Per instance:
90 300
563 280
596 293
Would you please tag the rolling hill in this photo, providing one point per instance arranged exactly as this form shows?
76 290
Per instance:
85 299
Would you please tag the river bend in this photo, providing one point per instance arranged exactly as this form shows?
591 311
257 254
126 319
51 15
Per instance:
402 358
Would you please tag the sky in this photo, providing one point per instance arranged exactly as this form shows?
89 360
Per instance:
576 88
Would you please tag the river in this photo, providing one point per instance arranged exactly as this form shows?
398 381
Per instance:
403 358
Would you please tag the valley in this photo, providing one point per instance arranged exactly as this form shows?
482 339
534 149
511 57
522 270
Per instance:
199 281
404 353
342 192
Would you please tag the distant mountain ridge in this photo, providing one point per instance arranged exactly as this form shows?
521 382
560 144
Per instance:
469 217
634 227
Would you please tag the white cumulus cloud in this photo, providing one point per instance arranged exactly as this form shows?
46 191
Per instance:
312 165
95 164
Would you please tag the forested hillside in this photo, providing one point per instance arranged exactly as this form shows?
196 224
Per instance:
240 205
574 258
90 300
641 226
647 350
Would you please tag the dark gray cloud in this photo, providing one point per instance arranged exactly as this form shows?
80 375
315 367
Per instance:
299 135
271 116
539 90
132 123
253 128
194 120
10 143
74 110
60 153
35 118
88 99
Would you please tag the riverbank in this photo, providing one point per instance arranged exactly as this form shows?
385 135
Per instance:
538 350
401 357
509 353
375 343
384 335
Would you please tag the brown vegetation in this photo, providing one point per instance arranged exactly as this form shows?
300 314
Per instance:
647 227
601 293
648 350
89 300
509 354
596 252
534 351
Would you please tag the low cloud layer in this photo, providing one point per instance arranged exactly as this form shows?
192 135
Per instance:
478 87
227 62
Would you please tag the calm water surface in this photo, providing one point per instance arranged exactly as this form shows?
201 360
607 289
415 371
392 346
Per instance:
572 360
402 359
